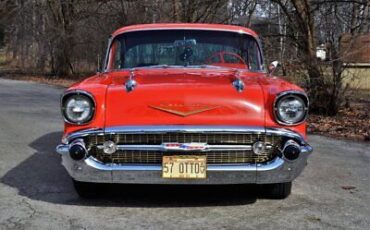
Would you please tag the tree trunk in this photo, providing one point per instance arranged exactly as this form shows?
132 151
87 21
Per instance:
317 89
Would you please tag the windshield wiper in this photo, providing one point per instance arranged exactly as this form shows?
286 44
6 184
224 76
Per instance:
203 66
165 66
162 66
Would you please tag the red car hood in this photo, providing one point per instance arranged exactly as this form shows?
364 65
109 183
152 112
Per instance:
195 97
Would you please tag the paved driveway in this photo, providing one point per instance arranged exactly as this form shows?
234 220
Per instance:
36 192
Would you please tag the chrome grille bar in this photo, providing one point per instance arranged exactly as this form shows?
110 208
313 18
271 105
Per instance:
163 149
160 138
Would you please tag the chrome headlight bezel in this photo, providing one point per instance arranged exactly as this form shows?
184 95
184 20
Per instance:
81 94
301 96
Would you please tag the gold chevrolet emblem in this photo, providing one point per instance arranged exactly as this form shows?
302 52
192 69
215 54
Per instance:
183 110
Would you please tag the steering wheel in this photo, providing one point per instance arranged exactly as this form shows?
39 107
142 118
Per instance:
218 58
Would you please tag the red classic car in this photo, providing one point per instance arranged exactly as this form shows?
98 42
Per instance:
184 104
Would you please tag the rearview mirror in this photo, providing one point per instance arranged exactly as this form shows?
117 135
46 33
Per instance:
186 42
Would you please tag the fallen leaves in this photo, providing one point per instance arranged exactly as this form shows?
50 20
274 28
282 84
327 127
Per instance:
350 123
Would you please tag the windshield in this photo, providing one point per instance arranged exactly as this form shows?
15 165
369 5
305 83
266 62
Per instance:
184 48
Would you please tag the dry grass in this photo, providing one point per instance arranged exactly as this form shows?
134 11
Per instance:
9 72
62 82
358 78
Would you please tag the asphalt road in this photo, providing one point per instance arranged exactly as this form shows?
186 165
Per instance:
36 193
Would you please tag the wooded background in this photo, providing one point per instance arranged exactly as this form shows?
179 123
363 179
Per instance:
68 37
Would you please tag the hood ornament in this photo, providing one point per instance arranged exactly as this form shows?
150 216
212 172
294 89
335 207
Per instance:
238 83
131 84
183 110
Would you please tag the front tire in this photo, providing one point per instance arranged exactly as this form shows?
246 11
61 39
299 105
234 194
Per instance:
85 189
279 190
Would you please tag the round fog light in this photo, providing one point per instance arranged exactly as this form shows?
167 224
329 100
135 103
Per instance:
77 152
109 147
291 150
259 147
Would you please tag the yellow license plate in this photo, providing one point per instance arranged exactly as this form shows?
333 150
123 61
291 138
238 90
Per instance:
184 167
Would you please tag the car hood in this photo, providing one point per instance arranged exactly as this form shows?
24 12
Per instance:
194 97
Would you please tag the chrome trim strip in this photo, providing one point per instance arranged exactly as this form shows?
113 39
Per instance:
62 149
188 28
162 148
183 129
287 133
84 133
228 147
113 36
106 58
90 161
271 165
136 147
187 129
307 149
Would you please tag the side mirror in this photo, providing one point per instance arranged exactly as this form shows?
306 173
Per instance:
272 67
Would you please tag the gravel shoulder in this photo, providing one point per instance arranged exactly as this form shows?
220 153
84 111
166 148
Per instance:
36 193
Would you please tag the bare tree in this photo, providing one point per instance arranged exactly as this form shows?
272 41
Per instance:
63 37
311 22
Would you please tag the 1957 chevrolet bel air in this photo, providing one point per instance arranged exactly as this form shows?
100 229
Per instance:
184 104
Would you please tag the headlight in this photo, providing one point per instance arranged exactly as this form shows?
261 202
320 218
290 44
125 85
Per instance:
78 107
291 108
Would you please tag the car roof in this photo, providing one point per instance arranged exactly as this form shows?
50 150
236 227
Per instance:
184 26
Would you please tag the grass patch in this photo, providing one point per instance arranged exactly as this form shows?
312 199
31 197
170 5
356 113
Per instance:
357 78
62 82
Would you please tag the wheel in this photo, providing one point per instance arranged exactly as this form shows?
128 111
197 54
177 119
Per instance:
278 191
85 189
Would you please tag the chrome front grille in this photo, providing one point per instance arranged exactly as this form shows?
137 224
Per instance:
142 156
153 138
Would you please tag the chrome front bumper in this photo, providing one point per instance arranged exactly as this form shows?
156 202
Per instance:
276 171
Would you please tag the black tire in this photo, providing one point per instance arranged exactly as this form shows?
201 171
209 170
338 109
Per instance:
278 191
85 189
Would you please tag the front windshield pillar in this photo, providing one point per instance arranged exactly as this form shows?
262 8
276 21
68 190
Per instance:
106 59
